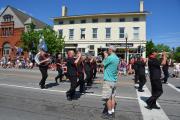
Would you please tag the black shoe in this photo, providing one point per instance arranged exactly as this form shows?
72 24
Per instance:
155 107
140 90
42 86
165 83
148 107
69 98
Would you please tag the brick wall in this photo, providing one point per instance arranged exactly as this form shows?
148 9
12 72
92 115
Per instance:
13 40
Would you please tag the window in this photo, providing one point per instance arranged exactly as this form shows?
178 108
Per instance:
95 20
136 33
94 35
7 31
108 32
108 20
91 47
81 50
71 34
136 19
71 22
7 18
122 20
83 21
6 49
83 33
121 32
61 22
60 32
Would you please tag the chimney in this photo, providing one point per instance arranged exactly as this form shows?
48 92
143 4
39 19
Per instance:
141 6
64 11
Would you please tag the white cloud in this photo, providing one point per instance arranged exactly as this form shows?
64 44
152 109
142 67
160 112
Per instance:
1 10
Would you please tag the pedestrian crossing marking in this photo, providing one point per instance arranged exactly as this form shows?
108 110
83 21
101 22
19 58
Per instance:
149 114
172 86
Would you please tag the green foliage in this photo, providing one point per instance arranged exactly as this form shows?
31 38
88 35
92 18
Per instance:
162 47
177 54
149 46
55 43
30 40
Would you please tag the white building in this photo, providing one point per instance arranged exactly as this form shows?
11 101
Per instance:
93 33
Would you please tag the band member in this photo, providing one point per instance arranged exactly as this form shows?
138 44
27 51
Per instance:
88 70
135 67
141 63
42 58
80 69
155 75
72 73
110 63
94 68
59 69
43 62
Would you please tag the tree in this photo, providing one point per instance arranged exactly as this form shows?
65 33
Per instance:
177 54
30 40
149 46
55 42
162 47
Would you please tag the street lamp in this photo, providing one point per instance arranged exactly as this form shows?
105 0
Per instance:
126 37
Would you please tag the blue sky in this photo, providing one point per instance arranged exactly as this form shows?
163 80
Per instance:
163 24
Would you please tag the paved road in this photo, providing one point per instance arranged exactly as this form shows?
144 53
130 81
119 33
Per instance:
21 99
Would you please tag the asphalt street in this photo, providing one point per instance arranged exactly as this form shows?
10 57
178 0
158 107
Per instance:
21 99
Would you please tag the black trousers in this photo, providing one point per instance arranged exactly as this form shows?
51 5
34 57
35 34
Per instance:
94 72
43 70
136 78
60 75
142 81
89 78
72 90
166 75
157 90
81 83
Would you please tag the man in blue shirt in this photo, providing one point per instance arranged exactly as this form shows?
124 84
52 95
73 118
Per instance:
110 62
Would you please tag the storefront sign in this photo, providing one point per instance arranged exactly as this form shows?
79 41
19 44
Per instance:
120 44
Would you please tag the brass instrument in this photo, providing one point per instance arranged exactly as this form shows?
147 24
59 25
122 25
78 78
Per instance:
39 58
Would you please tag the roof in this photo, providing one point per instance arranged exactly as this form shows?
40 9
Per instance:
24 17
103 14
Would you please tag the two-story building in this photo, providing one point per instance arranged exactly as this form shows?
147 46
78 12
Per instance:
13 23
95 32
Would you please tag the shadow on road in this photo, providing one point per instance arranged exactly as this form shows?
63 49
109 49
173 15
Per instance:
50 85
144 98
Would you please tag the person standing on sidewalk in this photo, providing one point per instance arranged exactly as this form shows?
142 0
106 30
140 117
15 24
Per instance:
110 63
165 69
155 75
